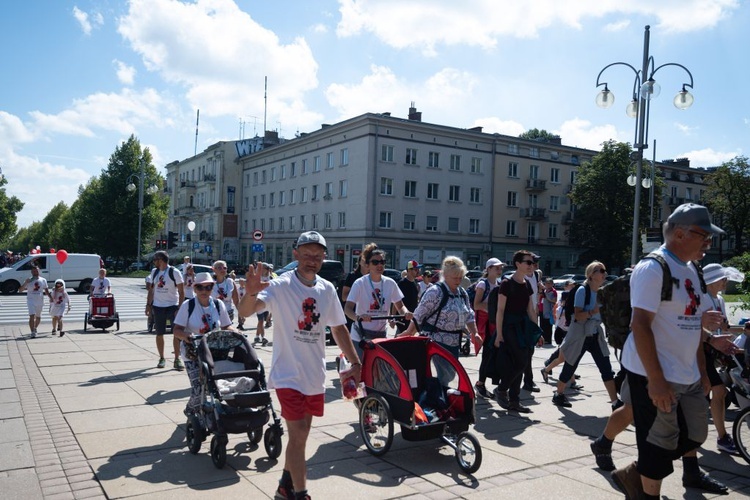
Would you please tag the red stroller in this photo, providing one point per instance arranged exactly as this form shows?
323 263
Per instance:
101 313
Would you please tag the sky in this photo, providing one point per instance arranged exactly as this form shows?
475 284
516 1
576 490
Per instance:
79 77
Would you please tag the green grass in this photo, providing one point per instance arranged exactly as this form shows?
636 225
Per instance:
736 297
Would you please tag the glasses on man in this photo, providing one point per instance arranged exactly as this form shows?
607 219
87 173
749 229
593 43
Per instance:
203 288
705 236
375 262
529 262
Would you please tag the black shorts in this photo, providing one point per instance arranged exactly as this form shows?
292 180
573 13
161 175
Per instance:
161 314
713 375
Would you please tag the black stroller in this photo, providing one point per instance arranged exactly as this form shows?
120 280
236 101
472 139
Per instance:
234 398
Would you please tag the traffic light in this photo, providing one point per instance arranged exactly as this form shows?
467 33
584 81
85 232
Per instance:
171 240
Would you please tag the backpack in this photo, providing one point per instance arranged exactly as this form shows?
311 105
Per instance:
191 305
426 325
614 300
569 306
171 275
472 291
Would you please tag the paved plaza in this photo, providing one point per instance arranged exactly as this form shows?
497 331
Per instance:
89 416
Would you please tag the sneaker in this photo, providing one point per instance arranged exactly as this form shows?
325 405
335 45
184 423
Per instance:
33 334
257 340
559 399
518 407
482 391
269 324
62 333
603 457
628 480
706 483
545 375
532 387
264 342
284 493
575 386
178 365
162 363
726 444
501 397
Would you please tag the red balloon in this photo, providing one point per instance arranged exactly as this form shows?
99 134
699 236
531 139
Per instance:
62 256
51 250
33 251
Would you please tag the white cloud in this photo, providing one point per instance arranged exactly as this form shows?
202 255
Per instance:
13 130
582 134
685 129
423 24
708 157
617 26
86 20
125 73
319 28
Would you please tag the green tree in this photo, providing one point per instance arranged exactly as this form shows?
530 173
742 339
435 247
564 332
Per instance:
538 135
727 198
603 222
9 208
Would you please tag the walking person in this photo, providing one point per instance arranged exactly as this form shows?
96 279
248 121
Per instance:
165 294
260 331
485 325
59 305
188 281
548 297
224 288
362 268
585 334
305 305
409 287
534 276
663 358
100 286
36 289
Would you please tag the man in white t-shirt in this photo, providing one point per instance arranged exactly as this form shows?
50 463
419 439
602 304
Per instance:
36 289
303 305
100 286
165 294
663 357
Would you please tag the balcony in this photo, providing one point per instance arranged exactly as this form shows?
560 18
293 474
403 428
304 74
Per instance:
531 240
187 185
569 188
536 185
209 178
533 213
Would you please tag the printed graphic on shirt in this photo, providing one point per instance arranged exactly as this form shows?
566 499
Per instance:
58 299
309 317
208 323
222 291
161 283
695 301
36 286
377 300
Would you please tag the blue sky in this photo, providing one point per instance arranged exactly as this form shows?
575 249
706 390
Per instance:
80 77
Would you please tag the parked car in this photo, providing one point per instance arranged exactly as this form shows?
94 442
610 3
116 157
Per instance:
332 270
559 282
139 266
474 275
78 269
392 273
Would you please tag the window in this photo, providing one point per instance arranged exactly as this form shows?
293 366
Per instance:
554 175
281 223
385 220
452 224
533 201
255 202
432 191
302 223
314 194
554 203
271 201
552 232
473 226
574 159
304 167
513 149
476 165
673 192
534 152
291 223
270 224
262 224
292 200
316 164
410 189
327 220
282 171
247 203
474 195
386 153
433 160
532 232
263 177
689 194
573 176
455 162
329 160
513 169
410 222
303 195
431 224
282 198
386 186
329 190
554 155
255 178
533 171
273 174
454 193
314 221
343 188
411 156
512 199
262 201
345 156
342 220
293 169
510 228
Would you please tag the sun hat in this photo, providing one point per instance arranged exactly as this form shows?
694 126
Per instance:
716 272
201 278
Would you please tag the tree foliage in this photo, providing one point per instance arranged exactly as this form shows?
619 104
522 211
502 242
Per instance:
727 197
603 222
538 135
9 208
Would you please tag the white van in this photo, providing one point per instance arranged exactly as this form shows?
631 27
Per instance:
78 270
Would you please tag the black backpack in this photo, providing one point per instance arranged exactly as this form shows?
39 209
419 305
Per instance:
614 300
156 273
472 291
492 303
191 305
569 305
428 326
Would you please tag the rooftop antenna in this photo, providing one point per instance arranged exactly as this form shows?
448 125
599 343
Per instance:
265 105
197 120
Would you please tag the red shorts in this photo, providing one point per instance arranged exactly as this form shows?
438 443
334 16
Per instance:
295 405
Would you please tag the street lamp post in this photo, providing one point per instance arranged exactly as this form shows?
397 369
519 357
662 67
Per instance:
141 177
639 108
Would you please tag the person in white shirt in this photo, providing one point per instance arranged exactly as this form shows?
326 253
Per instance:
188 281
165 294
59 305
304 305
224 288
100 286
36 288
185 263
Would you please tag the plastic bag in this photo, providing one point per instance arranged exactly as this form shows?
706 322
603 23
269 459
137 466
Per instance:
350 390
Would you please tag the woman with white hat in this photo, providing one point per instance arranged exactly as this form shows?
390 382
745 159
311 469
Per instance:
486 327
204 315
59 305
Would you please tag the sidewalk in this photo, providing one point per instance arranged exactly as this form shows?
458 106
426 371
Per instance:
89 416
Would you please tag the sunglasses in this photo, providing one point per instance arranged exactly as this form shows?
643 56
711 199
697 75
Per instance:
529 262
58 284
600 270
377 262
203 288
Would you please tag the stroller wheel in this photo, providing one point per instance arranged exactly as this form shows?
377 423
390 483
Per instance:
194 434
741 433
376 424
272 442
255 435
218 452
468 452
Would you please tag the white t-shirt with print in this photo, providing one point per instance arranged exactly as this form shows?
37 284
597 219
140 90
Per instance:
301 315
677 323
224 291
165 290
35 289
100 286
187 286
373 298
203 319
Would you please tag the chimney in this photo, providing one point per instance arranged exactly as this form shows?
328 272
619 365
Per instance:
414 115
